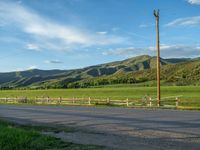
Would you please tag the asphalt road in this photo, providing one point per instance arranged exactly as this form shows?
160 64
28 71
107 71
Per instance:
116 128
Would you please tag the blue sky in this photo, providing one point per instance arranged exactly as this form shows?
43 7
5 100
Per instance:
68 34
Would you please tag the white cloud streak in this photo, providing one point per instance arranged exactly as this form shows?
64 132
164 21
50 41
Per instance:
33 47
146 25
102 32
114 29
31 67
185 21
50 34
194 2
129 51
167 51
53 62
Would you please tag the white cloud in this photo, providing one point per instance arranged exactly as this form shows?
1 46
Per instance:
53 62
185 21
32 47
114 29
49 34
17 69
143 25
25 68
194 2
146 25
102 32
129 51
167 51
180 50
32 67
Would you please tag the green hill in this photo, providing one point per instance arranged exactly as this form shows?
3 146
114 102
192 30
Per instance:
186 73
134 70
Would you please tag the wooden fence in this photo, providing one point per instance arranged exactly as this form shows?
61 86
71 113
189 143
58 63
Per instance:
176 103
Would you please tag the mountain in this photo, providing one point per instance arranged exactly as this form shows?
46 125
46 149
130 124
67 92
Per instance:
66 78
180 74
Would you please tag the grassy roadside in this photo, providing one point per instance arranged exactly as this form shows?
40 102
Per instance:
195 107
17 137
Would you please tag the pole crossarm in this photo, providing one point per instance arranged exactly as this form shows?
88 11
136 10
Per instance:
156 13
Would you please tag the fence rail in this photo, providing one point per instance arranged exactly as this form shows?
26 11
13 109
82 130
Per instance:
176 103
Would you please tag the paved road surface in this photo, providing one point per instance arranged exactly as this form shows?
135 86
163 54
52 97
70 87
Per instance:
116 128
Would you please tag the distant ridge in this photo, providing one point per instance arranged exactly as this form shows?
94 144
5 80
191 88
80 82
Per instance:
139 67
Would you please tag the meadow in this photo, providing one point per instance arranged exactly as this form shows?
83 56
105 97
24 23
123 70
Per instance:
121 92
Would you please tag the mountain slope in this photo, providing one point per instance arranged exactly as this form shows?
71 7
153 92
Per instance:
186 73
61 78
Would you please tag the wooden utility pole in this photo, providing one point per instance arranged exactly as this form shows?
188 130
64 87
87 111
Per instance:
156 14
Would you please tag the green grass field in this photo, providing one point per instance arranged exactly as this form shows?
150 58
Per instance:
17 137
121 92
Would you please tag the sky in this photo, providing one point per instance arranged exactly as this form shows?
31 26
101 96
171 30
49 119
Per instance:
70 34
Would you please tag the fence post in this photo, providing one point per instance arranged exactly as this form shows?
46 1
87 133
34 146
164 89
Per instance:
89 101
73 100
47 99
108 101
176 101
127 103
150 103
60 100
